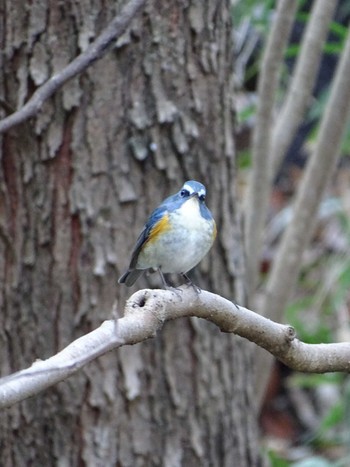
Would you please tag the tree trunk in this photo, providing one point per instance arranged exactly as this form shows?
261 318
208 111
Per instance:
77 183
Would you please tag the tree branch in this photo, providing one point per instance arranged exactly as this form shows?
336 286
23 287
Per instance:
95 51
302 83
316 177
145 313
259 189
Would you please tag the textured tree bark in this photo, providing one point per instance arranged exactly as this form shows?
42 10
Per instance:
77 183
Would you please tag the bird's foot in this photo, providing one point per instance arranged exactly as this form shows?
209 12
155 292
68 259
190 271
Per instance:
189 283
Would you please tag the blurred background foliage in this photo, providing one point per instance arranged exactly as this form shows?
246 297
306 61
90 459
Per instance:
305 419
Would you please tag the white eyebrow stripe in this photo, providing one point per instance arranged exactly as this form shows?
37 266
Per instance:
201 192
188 188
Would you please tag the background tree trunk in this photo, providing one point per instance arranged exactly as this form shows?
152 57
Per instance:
77 184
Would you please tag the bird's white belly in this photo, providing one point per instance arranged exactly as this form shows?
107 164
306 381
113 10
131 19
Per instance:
182 247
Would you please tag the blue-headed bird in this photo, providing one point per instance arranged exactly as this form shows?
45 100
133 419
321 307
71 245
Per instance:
177 235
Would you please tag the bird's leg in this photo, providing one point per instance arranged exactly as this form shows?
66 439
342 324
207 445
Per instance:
166 285
195 287
164 282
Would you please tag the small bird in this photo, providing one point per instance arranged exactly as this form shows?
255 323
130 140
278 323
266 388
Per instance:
176 237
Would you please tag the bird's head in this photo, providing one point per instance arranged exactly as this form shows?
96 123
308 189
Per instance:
192 189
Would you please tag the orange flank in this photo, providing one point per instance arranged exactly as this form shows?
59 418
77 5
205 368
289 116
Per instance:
160 227
215 231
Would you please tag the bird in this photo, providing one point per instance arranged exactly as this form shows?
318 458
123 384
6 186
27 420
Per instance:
176 237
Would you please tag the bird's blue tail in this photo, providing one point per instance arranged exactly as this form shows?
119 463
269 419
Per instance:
130 277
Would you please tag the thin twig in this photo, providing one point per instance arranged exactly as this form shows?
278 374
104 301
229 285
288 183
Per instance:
314 182
258 189
316 177
302 83
95 51
145 313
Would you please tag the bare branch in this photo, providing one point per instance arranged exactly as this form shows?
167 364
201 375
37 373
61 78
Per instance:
258 190
145 313
300 91
314 182
95 51
316 177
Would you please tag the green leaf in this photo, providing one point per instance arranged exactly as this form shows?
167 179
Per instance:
309 381
333 418
276 461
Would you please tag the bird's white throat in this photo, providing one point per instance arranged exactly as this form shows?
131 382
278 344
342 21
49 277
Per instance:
190 213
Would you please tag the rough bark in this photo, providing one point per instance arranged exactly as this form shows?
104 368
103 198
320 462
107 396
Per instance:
77 183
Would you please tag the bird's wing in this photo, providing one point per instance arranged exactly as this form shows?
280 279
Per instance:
153 226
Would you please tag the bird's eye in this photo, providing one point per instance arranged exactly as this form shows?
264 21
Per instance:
184 193
201 197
